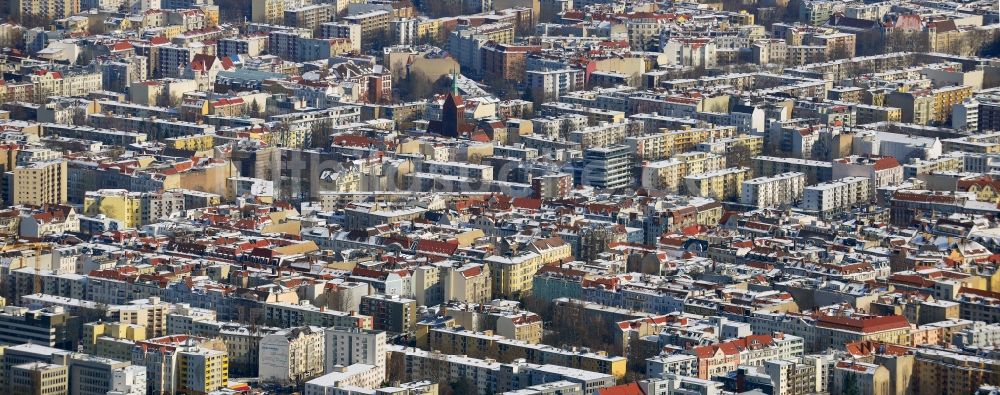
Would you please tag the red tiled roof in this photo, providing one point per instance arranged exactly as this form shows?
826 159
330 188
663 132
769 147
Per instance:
436 246
527 203
886 162
624 389
863 325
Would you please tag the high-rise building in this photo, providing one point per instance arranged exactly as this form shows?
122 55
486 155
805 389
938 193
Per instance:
390 313
607 167
39 183
348 346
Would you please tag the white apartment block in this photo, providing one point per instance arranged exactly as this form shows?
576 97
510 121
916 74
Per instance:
603 135
554 83
693 52
458 169
680 364
775 191
836 196
357 375
342 30
350 345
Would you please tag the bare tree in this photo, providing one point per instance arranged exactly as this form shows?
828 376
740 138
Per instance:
839 51
319 134
164 98
31 21
739 155
79 116
904 41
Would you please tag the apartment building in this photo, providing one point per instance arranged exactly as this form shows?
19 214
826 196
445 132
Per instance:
309 17
774 191
594 115
150 313
253 45
988 143
606 168
869 378
882 171
465 44
965 115
668 175
832 331
271 12
548 85
838 45
346 378
868 113
691 52
753 350
182 364
662 366
917 106
349 345
512 274
603 135
506 61
488 345
202 370
133 209
293 354
725 146
390 313
815 170
945 98
45 10
489 376
349 31
725 184
287 315
40 183
918 167
54 83
834 197
466 283
989 112
980 334
373 24
937 371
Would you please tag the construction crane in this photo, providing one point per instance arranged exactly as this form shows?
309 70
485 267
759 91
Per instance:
37 280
